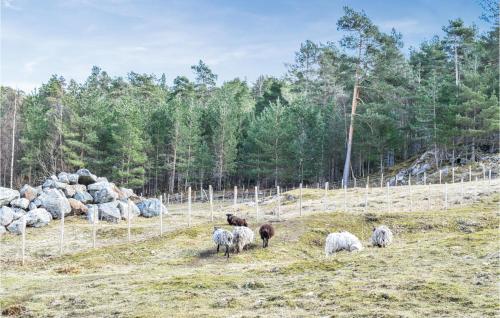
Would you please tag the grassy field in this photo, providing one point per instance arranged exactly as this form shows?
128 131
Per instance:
443 263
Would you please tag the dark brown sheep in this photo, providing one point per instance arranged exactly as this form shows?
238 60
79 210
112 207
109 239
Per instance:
266 231
236 221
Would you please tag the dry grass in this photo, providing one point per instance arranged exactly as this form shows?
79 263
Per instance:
443 263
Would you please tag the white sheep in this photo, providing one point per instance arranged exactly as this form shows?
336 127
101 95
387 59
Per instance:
222 237
381 236
336 242
242 236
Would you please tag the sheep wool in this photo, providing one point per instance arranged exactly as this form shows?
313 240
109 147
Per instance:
381 236
346 241
222 237
242 236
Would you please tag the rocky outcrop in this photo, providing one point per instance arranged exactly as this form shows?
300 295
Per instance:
80 193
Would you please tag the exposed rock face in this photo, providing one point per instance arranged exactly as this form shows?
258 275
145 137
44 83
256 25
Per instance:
73 178
77 207
29 192
86 177
109 212
55 202
151 207
38 217
7 195
21 203
3 230
6 216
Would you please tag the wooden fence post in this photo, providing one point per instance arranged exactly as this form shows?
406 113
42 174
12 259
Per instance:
425 177
189 206
300 199
366 196
211 199
388 200
235 195
381 180
23 241
470 173
411 199
453 175
325 197
429 196
484 173
355 182
440 173
489 176
279 202
128 224
345 198
62 234
257 203
94 227
161 215
446 195
181 197
461 191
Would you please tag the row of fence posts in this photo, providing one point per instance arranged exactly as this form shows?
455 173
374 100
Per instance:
278 194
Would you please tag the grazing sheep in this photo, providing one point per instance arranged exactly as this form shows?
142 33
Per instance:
222 237
381 236
266 231
242 236
236 221
336 242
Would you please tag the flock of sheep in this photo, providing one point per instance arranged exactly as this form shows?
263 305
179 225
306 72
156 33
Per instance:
242 236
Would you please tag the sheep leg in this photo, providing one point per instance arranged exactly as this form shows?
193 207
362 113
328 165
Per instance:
227 251
264 243
218 248
267 242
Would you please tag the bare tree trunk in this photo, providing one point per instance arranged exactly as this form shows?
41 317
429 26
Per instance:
13 141
174 161
355 96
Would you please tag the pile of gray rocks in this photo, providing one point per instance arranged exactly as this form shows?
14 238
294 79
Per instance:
81 193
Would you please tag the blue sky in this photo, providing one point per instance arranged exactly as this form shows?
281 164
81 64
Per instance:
236 38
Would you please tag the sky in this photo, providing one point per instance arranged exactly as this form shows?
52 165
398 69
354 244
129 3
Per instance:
236 38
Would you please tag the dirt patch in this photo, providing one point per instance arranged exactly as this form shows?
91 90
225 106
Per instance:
16 310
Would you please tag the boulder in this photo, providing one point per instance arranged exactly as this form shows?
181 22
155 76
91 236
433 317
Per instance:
86 177
127 193
3 230
18 213
102 179
29 192
109 212
38 217
55 202
103 192
63 177
79 187
118 191
69 191
151 207
83 197
54 184
21 203
6 216
77 207
92 213
37 202
73 178
128 207
32 206
7 195
16 227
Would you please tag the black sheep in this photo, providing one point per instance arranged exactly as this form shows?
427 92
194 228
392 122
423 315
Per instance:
266 231
236 221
